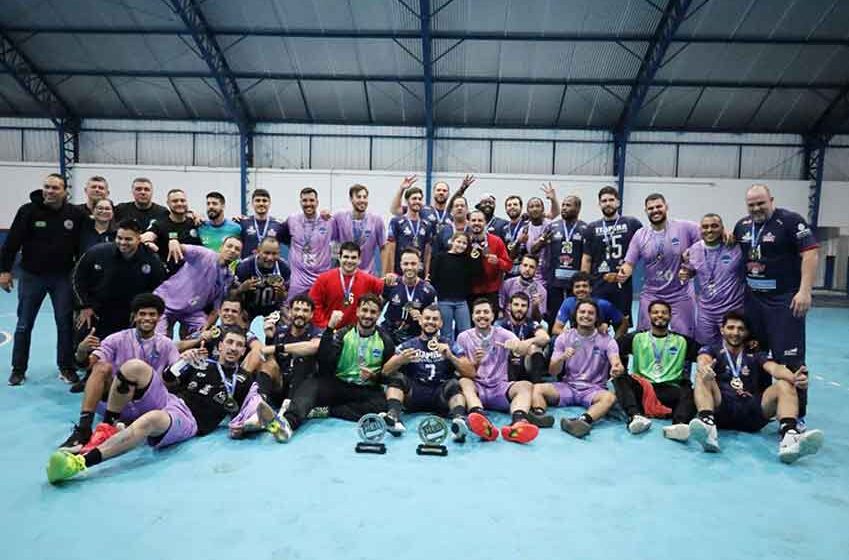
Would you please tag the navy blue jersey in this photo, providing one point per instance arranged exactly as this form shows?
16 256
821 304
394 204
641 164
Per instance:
523 330
512 232
399 300
772 251
443 237
428 367
606 242
264 299
565 250
254 231
497 226
438 219
410 233
609 313
752 373
287 362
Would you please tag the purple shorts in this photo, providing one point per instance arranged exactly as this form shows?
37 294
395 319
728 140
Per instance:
155 398
193 321
683 319
572 396
495 398
183 424
249 407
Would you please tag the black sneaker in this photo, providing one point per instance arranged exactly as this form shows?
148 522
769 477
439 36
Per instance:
541 420
393 425
77 439
17 378
79 386
575 426
69 376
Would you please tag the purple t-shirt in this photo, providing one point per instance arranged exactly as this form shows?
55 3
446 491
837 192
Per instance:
309 251
590 365
661 252
201 282
720 273
534 233
493 369
518 284
368 233
159 351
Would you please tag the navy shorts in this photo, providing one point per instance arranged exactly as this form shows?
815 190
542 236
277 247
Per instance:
423 397
743 414
774 326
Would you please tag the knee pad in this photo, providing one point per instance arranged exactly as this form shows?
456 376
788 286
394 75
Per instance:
399 381
124 384
450 389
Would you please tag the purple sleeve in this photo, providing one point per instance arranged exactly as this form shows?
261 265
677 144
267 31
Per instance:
107 350
193 253
633 254
460 350
559 346
380 232
694 232
172 355
334 228
612 349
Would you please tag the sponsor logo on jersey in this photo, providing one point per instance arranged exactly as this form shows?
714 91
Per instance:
769 238
69 224
145 268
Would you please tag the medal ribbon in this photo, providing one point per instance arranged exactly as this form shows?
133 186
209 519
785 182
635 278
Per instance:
229 385
261 236
346 290
734 367
658 353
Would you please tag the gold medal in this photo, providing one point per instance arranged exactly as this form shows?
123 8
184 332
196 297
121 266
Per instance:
433 344
736 383
476 253
215 332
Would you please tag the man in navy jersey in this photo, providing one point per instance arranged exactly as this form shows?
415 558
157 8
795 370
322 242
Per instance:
779 249
458 222
259 226
605 245
409 230
422 377
733 392
564 252
406 299
518 320
263 280
513 229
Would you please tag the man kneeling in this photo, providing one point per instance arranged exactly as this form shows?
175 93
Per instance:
733 392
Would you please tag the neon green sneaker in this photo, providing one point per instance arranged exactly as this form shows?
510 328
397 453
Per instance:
64 465
275 425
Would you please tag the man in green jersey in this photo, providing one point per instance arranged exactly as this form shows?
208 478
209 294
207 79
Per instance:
217 228
349 379
659 384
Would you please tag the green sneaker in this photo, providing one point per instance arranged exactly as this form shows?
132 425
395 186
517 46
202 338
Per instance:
64 465
275 425
319 412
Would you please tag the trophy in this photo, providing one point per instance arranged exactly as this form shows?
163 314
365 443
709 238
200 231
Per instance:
371 428
433 431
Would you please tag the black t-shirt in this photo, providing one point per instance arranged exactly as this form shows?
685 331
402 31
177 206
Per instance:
167 229
606 241
129 211
205 393
288 363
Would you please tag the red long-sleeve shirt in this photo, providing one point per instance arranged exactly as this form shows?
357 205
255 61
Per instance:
493 274
328 295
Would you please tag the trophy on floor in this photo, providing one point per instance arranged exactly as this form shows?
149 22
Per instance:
433 431
371 428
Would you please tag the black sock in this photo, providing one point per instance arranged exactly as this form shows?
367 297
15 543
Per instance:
519 415
394 406
586 418
538 411
477 409
110 417
458 411
265 386
93 457
785 425
706 416
538 366
86 419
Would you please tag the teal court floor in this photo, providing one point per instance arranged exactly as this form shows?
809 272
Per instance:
612 495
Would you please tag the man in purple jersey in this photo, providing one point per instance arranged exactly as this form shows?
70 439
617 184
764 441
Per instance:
535 236
363 228
583 361
487 349
660 247
718 269
308 236
125 356
525 283
200 284
605 243
259 226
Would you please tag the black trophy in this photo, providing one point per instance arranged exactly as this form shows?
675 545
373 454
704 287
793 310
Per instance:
371 429
433 431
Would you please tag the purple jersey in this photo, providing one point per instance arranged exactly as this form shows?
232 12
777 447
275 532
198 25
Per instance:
409 233
773 251
200 283
492 371
309 250
367 232
590 365
564 251
534 233
661 252
254 231
158 351
719 271
519 284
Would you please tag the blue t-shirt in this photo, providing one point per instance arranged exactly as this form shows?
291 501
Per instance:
609 313
213 236
428 367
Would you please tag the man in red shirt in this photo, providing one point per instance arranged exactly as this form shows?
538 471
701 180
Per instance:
496 260
339 289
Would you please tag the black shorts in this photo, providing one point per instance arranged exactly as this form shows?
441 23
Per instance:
743 414
423 397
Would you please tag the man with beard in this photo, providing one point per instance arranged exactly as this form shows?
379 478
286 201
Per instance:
142 209
217 228
582 362
529 362
207 391
526 284
535 235
661 247
406 299
608 314
308 236
410 230
494 224
288 357
495 261
605 244
458 222
96 189
437 213
659 384
730 394
263 280
564 250
202 283
363 228
229 315
422 378
717 267
165 236
117 357
350 364
485 352
515 226
259 226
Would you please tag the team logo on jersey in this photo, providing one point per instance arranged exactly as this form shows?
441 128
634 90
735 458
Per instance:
673 351
746 237
676 241
376 352
145 268
193 232
725 259
791 352
97 267
407 231
69 224
193 385
272 232
603 267
769 238
803 231
558 236
745 370
576 236
596 351
396 298
251 230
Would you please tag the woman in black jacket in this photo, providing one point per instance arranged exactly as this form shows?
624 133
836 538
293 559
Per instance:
452 274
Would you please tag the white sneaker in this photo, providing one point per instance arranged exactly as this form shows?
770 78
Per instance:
459 429
639 424
794 445
277 426
706 434
677 432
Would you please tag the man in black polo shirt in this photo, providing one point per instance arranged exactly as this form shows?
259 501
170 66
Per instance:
96 189
47 232
168 233
142 209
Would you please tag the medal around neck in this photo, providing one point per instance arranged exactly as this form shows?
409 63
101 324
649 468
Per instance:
372 429
433 344
433 431
476 253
